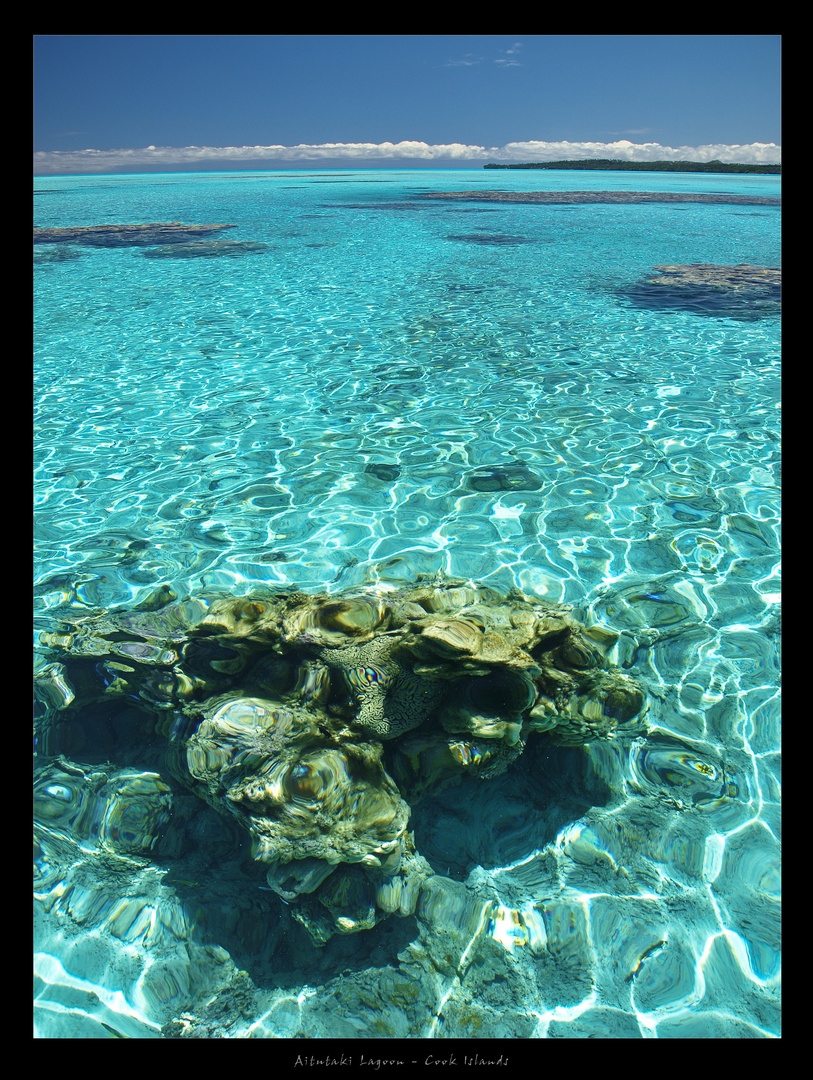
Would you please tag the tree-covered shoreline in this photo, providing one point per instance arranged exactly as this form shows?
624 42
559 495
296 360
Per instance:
644 166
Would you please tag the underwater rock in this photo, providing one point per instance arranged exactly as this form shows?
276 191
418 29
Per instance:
489 706
425 762
286 779
504 478
172 232
382 471
122 811
595 713
742 292
290 880
52 688
313 721
335 622
345 905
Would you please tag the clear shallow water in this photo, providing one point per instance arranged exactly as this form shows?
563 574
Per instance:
319 413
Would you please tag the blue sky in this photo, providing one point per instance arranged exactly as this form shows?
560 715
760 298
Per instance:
133 103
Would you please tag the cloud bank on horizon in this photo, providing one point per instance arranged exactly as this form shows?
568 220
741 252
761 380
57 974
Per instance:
172 158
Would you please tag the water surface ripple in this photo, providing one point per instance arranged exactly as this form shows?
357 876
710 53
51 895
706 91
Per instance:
364 384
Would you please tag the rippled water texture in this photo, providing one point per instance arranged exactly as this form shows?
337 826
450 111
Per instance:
356 385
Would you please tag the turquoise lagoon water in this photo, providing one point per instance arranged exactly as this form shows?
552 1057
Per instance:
318 412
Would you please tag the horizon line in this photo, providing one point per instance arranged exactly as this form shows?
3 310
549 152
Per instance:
382 155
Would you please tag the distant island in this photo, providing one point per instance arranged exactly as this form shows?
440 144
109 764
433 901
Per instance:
644 166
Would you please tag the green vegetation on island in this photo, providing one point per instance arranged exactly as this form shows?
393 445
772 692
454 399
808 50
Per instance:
644 166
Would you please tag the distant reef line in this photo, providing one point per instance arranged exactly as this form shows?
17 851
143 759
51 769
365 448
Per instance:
643 166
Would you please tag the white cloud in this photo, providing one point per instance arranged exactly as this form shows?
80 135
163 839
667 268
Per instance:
156 158
509 58
468 61
623 149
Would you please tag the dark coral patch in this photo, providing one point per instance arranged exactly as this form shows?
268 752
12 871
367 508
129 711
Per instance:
382 471
114 236
504 478
490 239
742 292
562 198
207 249
49 256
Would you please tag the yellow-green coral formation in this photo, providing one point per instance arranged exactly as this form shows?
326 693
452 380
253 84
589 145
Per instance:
300 794
311 720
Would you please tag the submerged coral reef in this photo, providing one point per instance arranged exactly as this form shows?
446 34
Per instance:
163 240
161 232
313 722
743 292
563 198
206 249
